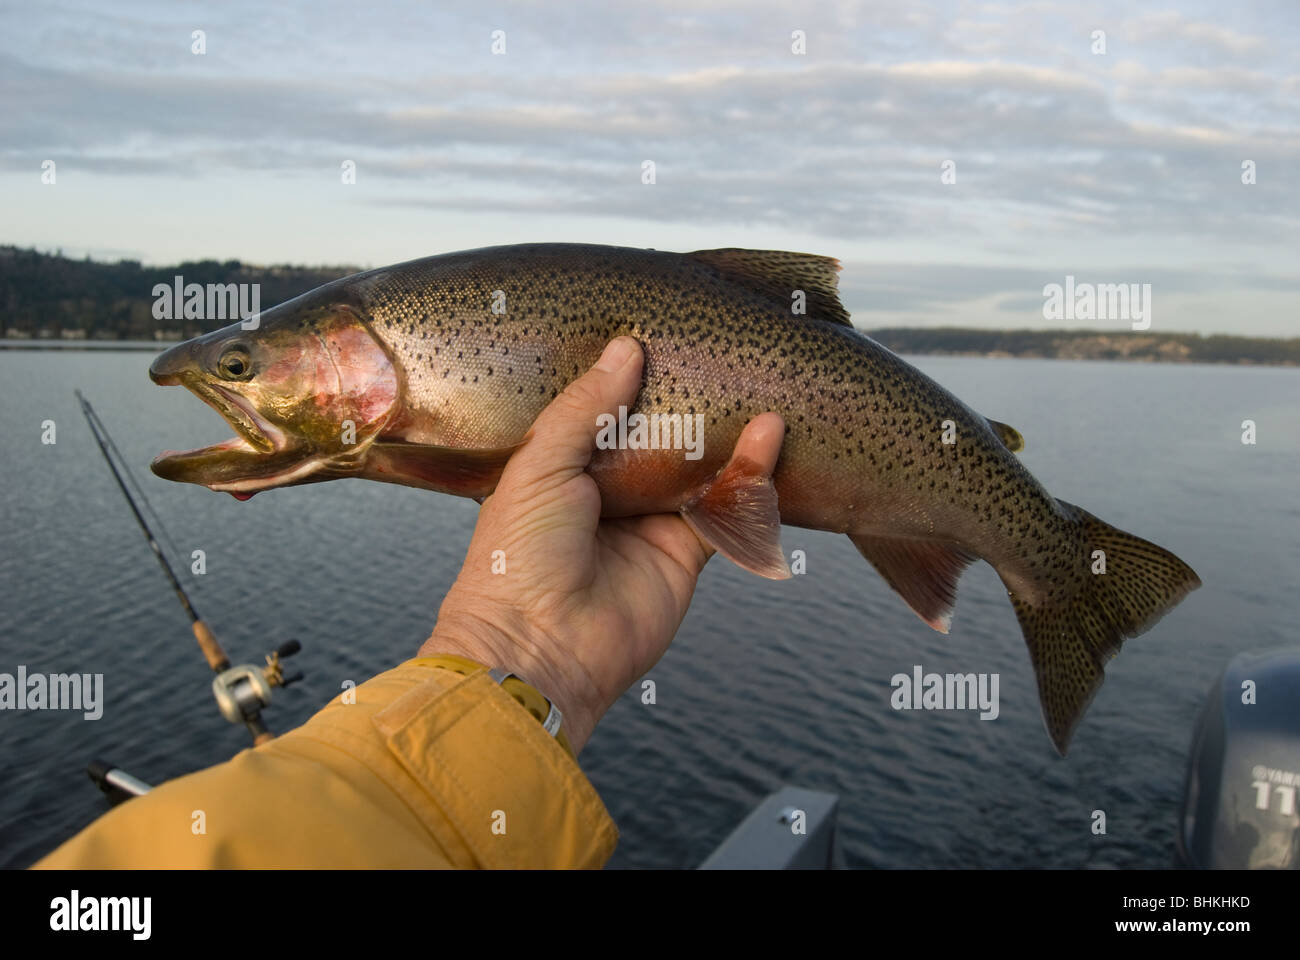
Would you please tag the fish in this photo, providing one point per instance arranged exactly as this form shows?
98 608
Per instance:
430 373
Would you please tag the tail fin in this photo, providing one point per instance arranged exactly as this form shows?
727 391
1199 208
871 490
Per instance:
1071 637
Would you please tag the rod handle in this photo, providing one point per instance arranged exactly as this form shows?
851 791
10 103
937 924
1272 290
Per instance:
212 651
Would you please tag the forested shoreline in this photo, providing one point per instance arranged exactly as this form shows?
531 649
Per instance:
52 297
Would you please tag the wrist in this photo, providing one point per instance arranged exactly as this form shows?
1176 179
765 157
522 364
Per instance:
497 643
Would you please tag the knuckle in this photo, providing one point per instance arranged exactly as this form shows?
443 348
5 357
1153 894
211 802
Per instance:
583 394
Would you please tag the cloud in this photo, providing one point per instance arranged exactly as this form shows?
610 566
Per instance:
850 149
1169 26
1056 150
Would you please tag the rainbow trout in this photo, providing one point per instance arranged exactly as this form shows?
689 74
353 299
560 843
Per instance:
430 374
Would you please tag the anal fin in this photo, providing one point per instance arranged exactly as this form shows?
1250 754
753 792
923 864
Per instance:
923 572
736 513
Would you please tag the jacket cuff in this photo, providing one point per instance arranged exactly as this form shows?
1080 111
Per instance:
488 771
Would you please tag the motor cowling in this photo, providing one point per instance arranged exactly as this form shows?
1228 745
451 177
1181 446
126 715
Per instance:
1240 807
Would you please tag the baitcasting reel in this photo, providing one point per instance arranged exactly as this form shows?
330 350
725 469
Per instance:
244 691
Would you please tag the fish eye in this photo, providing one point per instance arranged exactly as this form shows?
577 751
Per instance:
235 364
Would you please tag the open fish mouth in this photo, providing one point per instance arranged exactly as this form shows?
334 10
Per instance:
260 455
254 432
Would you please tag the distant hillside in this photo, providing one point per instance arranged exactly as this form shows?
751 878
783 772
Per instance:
51 296
46 295
1091 345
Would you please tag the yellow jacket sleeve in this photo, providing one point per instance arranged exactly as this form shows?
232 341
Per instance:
427 768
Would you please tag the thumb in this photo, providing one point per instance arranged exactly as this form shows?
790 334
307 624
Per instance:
564 434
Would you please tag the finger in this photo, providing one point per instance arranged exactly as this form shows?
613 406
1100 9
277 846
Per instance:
760 442
564 435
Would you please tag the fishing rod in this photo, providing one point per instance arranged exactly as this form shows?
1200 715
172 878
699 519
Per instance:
242 691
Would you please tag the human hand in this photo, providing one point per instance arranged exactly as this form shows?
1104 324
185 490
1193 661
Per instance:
588 605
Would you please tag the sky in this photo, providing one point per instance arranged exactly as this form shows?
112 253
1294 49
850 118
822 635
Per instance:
1115 165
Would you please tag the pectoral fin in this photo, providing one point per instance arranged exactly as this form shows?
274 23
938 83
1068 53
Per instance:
736 513
465 472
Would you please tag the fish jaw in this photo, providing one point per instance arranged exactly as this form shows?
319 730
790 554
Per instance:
259 457
311 390
235 467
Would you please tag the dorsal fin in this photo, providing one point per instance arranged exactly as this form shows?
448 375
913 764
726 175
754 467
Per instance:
1010 436
777 274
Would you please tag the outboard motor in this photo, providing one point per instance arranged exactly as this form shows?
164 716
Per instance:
1240 806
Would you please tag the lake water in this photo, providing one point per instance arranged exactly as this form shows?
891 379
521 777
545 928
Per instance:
767 682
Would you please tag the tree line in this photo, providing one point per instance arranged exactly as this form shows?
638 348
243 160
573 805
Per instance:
45 294
1092 345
